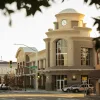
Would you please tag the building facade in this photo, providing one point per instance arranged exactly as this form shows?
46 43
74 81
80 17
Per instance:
68 57
95 75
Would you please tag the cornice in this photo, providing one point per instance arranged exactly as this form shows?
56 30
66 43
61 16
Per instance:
82 38
68 31
82 28
46 39
64 14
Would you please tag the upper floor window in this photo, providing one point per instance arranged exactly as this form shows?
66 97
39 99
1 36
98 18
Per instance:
85 56
61 52
23 63
18 65
27 60
74 23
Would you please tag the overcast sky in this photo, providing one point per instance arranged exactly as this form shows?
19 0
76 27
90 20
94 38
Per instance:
31 30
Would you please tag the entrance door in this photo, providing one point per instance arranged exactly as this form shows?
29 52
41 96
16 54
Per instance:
60 84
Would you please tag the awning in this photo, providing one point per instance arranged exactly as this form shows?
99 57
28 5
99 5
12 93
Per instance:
94 74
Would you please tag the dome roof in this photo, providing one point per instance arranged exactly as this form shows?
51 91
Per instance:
29 49
69 10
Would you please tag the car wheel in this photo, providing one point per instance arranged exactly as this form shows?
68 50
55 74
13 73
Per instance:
63 90
76 90
68 90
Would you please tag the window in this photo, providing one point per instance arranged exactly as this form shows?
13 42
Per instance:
17 65
74 23
23 63
61 52
84 79
85 56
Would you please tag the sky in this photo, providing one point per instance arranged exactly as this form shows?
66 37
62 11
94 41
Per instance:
31 30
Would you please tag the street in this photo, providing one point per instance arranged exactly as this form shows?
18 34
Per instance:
32 96
10 95
44 95
40 98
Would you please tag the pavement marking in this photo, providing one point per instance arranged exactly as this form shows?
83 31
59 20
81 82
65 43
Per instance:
7 99
42 95
66 99
29 98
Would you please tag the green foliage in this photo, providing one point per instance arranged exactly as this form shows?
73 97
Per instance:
97 4
9 79
97 43
97 21
31 6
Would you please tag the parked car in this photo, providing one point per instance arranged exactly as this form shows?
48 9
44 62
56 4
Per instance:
70 88
83 87
4 87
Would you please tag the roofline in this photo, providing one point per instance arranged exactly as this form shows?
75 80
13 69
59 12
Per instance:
68 70
61 14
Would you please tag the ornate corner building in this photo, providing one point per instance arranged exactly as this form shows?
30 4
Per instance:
68 58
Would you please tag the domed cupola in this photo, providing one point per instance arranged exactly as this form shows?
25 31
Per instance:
70 10
68 18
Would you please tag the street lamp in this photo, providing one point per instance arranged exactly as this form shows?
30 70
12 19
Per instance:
36 73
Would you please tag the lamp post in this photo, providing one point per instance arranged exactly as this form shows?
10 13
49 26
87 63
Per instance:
36 69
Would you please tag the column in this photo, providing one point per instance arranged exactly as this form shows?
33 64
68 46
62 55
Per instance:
30 81
40 64
48 82
53 54
44 63
47 41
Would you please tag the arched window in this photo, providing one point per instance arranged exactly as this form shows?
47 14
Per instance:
61 52
27 60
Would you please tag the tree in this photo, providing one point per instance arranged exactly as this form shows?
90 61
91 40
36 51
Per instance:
9 79
6 79
31 6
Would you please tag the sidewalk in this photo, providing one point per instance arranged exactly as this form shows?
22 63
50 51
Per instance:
37 91
93 97
90 97
78 96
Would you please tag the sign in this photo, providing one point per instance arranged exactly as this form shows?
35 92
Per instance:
65 78
32 67
84 78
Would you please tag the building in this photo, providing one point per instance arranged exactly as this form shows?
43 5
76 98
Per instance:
68 56
95 75
5 69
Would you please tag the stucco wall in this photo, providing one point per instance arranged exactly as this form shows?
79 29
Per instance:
69 17
21 56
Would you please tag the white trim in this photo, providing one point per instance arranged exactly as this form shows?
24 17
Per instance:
69 70
26 74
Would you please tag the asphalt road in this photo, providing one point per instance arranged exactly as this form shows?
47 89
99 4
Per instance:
40 98
40 95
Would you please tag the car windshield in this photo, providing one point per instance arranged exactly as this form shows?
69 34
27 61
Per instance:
91 85
74 86
86 85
